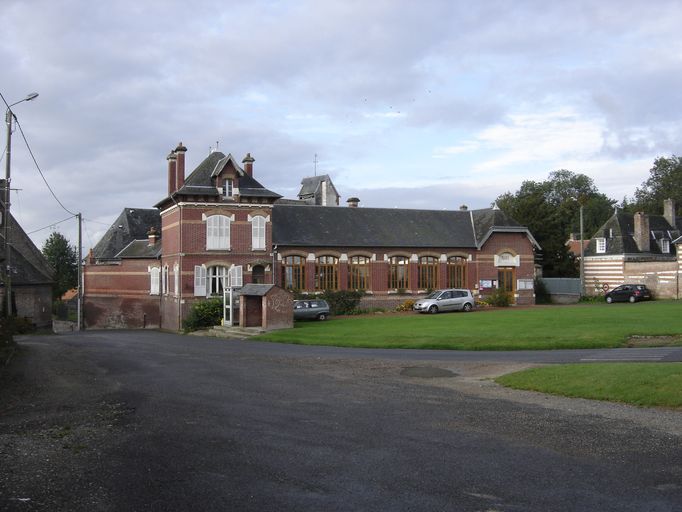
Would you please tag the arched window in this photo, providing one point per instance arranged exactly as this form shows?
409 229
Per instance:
217 232
217 280
457 272
293 272
258 274
327 273
258 233
176 279
398 273
428 273
358 273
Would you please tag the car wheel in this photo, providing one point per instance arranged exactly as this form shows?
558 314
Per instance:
433 310
632 299
322 316
467 307
609 300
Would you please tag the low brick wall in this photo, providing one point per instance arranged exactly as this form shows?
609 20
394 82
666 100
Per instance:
121 313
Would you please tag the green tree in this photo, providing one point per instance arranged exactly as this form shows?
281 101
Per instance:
665 181
64 260
551 210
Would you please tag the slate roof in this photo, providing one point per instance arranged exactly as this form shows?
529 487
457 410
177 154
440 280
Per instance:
140 249
619 232
256 289
328 226
201 181
29 266
131 224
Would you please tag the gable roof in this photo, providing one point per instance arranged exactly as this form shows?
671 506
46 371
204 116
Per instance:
201 181
29 266
329 226
131 224
619 231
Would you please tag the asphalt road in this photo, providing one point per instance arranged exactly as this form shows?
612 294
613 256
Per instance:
125 421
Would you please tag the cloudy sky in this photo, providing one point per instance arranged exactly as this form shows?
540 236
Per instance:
428 104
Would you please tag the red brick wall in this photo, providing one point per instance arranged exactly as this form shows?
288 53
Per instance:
190 250
480 265
117 296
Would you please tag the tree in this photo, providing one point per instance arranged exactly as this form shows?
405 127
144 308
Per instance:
64 260
550 209
665 181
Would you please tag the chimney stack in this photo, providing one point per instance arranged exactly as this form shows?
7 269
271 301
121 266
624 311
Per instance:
153 236
180 166
353 202
248 164
171 173
642 232
669 212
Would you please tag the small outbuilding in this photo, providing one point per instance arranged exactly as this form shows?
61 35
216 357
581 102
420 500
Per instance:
266 306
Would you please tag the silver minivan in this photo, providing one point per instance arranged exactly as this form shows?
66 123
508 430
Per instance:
452 299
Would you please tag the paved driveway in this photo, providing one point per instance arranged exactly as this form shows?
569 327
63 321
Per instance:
152 421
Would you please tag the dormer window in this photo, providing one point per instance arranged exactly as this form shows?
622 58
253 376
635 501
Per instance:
228 187
665 246
601 245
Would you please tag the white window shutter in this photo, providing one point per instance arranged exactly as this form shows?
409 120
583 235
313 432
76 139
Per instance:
199 281
235 277
258 232
154 278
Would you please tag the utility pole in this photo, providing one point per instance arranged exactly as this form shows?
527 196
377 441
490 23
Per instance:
6 219
79 316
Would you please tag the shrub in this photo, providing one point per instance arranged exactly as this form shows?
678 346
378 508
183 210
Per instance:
204 314
405 306
499 298
342 302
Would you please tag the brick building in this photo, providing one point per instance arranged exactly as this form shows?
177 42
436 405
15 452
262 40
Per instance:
220 216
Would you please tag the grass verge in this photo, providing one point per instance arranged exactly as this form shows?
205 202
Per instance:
538 328
643 384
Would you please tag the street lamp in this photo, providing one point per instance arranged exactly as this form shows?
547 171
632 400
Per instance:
9 115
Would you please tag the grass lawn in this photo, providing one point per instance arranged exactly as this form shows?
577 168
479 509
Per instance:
646 384
538 328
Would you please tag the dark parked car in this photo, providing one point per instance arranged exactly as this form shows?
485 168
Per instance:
628 293
311 309
453 299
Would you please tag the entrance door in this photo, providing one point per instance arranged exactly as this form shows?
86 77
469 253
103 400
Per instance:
506 280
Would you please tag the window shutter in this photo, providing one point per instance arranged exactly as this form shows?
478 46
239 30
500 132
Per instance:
258 232
235 276
199 281
154 281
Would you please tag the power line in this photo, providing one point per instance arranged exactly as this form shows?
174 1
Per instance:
40 171
50 225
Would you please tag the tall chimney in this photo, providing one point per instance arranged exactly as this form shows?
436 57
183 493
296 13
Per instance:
248 164
180 166
353 202
171 172
642 232
669 212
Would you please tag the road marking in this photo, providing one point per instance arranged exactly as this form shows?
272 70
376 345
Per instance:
633 355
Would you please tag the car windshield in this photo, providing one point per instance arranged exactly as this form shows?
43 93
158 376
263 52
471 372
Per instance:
433 295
